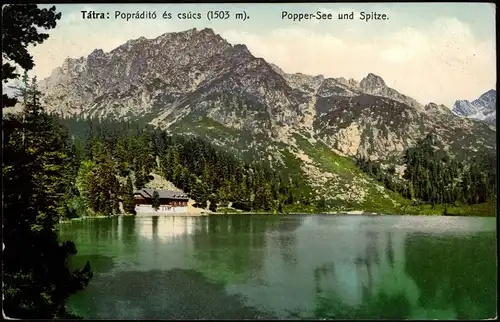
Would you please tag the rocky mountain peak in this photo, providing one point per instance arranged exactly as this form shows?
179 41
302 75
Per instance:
277 69
482 108
488 97
463 108
342 80
372 82
241 48
97 53
375 85
178 79
194 32
435 108
239 54
73 63
193 35
353 82
207 31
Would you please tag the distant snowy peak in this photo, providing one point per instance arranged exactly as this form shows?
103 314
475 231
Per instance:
463 108
483 108
488 100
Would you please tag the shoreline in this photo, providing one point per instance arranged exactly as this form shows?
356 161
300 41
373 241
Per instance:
207 214
94 217
350 212
447 210
140 215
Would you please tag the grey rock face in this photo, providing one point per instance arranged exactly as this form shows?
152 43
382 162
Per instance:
375 85
483 108
433 108
196 73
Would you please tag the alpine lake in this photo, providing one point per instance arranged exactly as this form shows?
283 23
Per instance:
286 267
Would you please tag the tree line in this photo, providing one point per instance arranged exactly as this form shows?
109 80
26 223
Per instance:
37 175
434 177
36 278
113 158
51 173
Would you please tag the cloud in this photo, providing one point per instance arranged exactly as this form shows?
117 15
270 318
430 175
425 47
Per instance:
441 63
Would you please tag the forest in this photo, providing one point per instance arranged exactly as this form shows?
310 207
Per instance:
110 159
36 278
57 168
71 167
119 157
434 177
113 158
37 174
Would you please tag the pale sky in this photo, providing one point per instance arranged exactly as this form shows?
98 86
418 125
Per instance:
437 52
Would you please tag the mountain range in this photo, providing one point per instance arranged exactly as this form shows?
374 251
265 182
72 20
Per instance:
483 108
196 83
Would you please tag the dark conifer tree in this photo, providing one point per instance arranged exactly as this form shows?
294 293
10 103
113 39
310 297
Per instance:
36 278
156 200
128 197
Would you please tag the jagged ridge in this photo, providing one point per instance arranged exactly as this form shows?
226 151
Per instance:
180 81
483 108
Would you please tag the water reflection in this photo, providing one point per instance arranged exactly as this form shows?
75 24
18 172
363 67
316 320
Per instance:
410 275
230 248
369 284
456 275
349 267
390 249
287 239
165 228
359 270
156 294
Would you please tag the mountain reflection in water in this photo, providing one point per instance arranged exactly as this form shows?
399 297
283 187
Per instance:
343 267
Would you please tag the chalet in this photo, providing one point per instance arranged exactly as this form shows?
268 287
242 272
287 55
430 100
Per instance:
170 201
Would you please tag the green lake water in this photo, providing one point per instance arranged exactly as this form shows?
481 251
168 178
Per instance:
286 267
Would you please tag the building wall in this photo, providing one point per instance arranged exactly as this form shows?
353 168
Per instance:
148 209
175 203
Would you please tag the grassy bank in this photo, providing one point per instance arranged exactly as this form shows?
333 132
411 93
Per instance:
477 210
92 217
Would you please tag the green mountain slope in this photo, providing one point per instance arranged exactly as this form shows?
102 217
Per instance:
333 180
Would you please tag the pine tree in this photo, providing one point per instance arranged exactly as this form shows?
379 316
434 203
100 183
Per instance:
82 181
156 200
140 178
200 194
128 197
36 279
21 27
